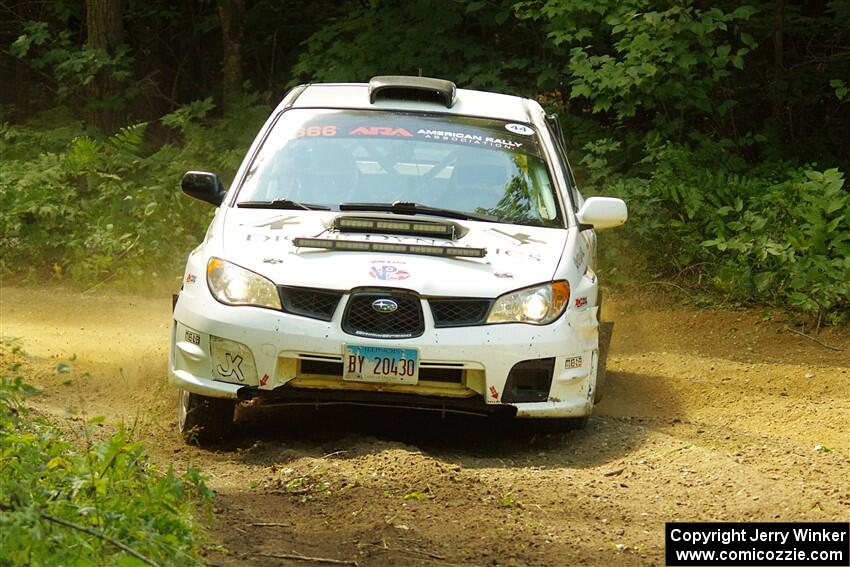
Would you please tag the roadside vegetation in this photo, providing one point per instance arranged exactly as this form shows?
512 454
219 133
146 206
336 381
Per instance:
92 500
724 125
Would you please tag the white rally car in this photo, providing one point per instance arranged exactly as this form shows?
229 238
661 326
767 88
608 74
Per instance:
399 243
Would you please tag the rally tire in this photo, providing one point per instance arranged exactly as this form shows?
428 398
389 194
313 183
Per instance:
202 420
605 331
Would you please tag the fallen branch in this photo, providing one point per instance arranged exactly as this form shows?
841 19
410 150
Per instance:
614 472
104 537
299 557
680 288
412 550
333 454
811 338
688 268
270 525
68 524
418 552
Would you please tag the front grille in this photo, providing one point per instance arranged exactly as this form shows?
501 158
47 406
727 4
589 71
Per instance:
459 312
362 320
313 303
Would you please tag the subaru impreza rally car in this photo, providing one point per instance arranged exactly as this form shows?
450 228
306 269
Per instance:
399 243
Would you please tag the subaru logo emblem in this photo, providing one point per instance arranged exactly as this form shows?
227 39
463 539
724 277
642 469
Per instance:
384 305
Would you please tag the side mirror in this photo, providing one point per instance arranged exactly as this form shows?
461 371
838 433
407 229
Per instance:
203 185
602 212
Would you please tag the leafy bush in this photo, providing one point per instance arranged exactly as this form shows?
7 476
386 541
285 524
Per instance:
75 68
63 505
99 209
383 38
778 234
637 56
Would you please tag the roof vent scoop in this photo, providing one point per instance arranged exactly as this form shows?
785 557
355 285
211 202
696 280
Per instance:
422 89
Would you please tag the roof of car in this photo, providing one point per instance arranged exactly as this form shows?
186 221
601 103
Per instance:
466 102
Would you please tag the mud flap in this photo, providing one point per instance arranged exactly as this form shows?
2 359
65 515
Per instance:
606 329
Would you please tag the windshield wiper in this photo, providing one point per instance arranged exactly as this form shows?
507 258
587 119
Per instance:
412 208
282 204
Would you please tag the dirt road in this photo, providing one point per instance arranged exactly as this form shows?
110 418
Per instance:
710 415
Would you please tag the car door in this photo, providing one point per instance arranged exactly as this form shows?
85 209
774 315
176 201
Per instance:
576 199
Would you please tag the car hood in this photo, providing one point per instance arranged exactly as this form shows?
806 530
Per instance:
262 240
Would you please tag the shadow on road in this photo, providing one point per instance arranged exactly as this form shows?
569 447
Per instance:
342 432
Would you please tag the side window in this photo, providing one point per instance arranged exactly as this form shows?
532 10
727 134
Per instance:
555 129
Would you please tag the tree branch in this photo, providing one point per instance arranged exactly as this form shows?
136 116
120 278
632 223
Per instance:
68 524
811 338
299 557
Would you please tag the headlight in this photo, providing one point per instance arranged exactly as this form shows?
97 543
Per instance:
538 305
233 285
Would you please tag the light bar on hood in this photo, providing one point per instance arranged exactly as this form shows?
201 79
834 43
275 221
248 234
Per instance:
361 246
361 224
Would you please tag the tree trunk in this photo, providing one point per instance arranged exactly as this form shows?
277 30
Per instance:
778 102
232 16
105 32
103 24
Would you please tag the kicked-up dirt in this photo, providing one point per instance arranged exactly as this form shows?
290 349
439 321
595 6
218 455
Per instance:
709 416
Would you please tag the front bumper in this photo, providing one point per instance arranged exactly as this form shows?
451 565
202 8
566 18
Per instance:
291 396
293 360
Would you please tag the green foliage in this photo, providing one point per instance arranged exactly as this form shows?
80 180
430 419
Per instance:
457 40
107 486
775 234
75 67
678 66
706 117
182 118
632 56
842 91
97 209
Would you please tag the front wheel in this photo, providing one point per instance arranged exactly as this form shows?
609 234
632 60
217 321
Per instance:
203 420
605 332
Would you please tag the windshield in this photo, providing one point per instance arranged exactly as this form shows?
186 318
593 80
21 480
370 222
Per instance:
473 165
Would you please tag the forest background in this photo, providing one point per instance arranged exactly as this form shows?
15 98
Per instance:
725 125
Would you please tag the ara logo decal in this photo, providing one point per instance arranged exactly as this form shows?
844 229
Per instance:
191 278
519 129
494 393
233 369
388 273
380 131
264 380
581 302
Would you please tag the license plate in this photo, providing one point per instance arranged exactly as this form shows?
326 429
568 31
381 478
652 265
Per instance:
380 364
